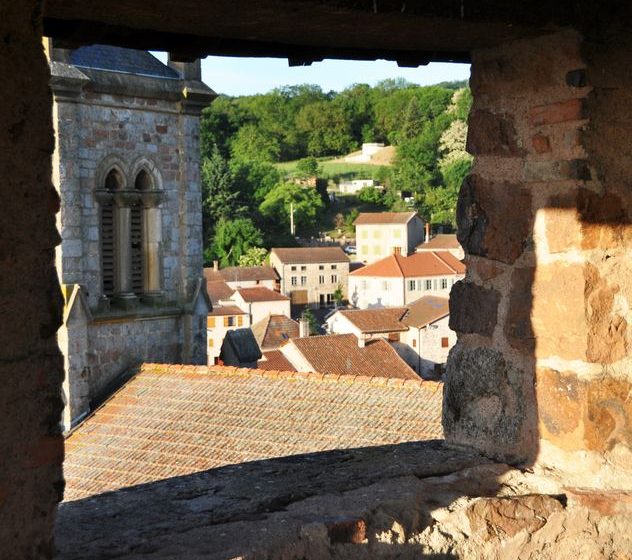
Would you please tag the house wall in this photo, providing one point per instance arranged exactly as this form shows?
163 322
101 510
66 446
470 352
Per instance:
339 324
416 233
312 283
422 348
368 291
291 352
258 310
376 241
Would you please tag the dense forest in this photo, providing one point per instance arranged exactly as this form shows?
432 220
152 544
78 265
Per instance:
248 191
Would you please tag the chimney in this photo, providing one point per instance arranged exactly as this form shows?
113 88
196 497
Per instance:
188 70
361 342
215 266
303 327
427 232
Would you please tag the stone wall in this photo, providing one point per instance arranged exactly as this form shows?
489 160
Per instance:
541 372
31 365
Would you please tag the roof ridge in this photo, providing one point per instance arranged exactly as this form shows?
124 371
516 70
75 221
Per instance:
435 253
312 377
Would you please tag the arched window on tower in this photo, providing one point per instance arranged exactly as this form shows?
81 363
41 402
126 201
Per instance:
143 181
113 183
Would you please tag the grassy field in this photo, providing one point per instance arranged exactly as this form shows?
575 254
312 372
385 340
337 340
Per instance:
335 170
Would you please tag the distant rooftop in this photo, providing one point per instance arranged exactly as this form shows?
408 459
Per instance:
221 310
274 331
275 360
218 290
426 310
378 218
174 420
241 273
117 59
427 263
384 320
440 241
340 354
307 255
260 293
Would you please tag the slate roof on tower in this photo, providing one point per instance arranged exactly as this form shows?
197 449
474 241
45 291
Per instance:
117 59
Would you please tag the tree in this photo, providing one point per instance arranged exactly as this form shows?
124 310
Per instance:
255 256
308 315
413 120
327 129
251 144
308 167
306 202
254 180
338 295
219 198
370 195
233 238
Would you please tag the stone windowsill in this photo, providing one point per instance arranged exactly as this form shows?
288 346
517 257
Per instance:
142 312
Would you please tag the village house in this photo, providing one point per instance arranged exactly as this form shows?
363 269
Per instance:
260 302
398 280
442 242
419 332
346 354
428 340
126 168
380 234
243 276
311 275
356 185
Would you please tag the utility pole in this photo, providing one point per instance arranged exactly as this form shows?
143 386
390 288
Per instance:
292 231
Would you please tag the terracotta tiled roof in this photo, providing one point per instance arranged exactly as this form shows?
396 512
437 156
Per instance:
441 241
430 263
306 255
379 218
172 420
221 310
218 290
340 354
245 273
274 331
425 310
387 319
212 275
275 360
260 293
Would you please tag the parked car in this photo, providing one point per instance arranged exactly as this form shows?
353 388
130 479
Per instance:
350 249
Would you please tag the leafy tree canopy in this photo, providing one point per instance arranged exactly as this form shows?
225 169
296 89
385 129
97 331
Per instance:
255 256
232 240
305 201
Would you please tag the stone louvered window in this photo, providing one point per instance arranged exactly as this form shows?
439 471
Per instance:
130 231
113 183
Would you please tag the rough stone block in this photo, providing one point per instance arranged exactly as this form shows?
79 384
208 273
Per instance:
569 110
492 134
488 404
575 414
473 308
541 144
495 220
558 315
518 328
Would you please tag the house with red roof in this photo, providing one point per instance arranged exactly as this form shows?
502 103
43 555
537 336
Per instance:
443 242
398 280
259 302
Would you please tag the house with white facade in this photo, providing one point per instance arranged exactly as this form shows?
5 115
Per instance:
398 280
311 275
260 302
368 324
356 185
380 234
426 343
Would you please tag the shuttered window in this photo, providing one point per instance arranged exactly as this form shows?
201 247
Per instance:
107 247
